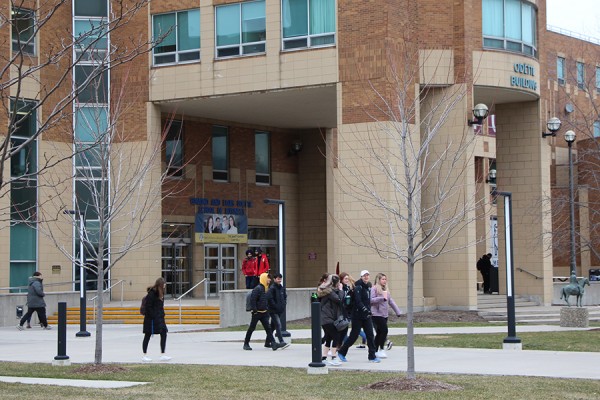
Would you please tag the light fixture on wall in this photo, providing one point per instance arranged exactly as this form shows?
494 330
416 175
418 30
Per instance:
295 148
491 176
480 112
553 126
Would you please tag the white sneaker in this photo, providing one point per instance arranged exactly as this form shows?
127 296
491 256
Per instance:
381 354
164 358
146 359
334 362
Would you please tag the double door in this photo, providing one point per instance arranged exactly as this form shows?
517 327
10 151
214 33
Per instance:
220 267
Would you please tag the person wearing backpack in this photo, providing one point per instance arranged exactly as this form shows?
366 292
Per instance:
484 266
276 300
154 319
259 305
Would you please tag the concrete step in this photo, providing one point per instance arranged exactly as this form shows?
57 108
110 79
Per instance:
197 315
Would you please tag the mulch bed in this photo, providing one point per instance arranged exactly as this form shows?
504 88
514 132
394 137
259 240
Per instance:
402 384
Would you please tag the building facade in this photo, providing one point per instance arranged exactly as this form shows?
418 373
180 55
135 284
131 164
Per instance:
274 99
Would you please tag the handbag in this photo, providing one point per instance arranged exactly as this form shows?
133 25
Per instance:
341 323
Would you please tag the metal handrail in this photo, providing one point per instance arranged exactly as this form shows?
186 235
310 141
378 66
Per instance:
120 281
205 280
527 272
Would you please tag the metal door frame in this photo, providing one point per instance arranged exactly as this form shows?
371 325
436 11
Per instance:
215 276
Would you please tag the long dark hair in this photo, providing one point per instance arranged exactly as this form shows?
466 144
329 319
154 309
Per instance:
159 287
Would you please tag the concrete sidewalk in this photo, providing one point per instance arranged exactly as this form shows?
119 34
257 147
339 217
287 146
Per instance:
189 345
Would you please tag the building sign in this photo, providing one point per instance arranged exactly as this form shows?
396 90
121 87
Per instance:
523 81
221 221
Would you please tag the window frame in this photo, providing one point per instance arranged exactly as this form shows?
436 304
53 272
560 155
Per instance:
505 42
560 70
309 37
220 175
596 129
28 45
241 46
262 178
177 53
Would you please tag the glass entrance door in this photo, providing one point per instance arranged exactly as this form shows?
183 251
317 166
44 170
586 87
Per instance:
220 265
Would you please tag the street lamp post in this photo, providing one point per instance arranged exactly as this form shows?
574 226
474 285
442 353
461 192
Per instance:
570 139
281 244
511 341
82 277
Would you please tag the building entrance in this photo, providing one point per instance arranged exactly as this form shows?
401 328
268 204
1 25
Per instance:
176 259
220 267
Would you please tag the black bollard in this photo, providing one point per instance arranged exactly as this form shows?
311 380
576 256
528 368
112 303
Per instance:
62 332
315 313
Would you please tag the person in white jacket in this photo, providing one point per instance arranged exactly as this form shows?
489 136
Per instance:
381 301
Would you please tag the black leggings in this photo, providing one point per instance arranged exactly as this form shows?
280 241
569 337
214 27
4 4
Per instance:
332 336
163 342
381 331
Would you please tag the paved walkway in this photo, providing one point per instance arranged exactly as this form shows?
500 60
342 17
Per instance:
189 345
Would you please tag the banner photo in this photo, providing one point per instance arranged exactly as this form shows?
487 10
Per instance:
221 228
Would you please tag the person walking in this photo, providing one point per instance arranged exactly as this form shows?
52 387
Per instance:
276 301
258 300
484 265
35 302
154 319
381 301
331 297
361 318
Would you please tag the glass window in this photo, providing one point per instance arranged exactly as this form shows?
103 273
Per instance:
91 82
308 23
509 25
262 154
220 153
87 194
560 70
91 39
23 195
91 8
598 79
91 123
177 37
174 148
24 161
597 129
241 29
580 75
20 273
23 28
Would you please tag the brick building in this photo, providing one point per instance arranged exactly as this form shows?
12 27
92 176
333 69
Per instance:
269 99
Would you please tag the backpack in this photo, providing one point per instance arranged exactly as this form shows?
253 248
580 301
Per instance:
249 301
143 305
479 264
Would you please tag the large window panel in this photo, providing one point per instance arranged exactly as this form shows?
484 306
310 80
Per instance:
262 152
23 200
241 29
91 39
177 37
23 28
87 195
560 70
509 25
174 149
24 161
580 75
20 273
91 8
596 129
308 23
598 79
91 123
23 242
220 153
92 84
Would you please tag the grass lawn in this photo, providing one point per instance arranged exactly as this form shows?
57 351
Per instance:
222 382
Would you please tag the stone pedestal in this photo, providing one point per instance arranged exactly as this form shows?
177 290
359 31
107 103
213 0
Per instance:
512 346
574 317
61 363
317 370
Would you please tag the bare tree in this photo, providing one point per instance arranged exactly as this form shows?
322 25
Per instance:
405 175
94 154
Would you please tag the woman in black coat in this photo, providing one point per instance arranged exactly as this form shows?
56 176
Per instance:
154 319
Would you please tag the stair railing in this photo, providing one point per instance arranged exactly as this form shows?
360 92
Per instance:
205 281
527 272
93 299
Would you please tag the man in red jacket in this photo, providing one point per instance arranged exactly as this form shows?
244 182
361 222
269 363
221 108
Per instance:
262 262
249 270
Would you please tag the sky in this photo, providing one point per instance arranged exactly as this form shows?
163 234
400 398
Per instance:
580 16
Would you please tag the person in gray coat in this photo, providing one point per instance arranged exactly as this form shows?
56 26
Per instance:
35 301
